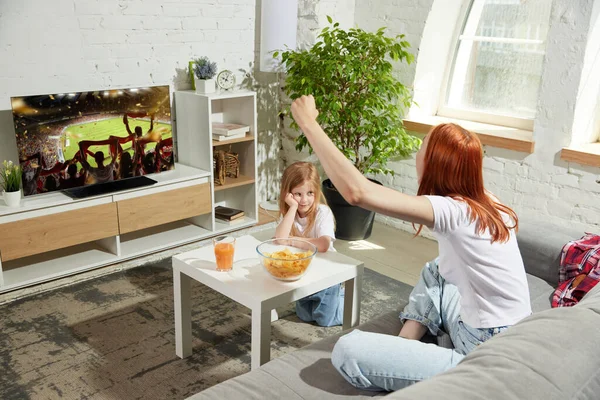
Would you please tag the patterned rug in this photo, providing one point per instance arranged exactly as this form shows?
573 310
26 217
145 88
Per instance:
113 337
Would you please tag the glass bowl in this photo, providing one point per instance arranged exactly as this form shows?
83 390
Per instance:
286 259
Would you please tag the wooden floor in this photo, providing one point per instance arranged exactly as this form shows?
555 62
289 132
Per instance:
265 217
389 251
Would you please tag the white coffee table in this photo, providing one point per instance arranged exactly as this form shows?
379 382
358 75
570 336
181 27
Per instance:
250 285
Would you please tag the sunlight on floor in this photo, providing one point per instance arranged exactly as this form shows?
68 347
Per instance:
364 245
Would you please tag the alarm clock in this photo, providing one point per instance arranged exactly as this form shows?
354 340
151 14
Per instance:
226 80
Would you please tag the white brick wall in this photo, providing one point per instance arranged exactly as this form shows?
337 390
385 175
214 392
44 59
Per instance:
539 186
312 17
75 45
400 17
341 11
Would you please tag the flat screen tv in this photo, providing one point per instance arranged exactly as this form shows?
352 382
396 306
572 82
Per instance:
69 140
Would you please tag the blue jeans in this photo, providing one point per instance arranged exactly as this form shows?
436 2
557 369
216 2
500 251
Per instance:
326 307
374 361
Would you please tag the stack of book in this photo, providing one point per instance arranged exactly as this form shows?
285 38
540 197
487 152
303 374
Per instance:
229 215
222 131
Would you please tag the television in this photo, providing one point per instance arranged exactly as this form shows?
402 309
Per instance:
70 140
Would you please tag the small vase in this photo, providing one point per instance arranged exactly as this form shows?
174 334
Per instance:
204 86
12 199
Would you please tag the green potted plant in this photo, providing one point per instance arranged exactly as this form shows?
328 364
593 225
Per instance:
360 102
10 174
204 73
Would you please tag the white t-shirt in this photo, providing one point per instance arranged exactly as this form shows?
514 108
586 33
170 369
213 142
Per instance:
324 225
490 277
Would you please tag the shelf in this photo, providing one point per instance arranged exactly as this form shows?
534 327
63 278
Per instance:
161 237
68 261
221 227
222 94
489 135
248 138
181 173
195 112
585 154
235 182
54 264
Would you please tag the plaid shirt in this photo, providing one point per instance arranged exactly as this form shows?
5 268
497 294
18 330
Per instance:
579 270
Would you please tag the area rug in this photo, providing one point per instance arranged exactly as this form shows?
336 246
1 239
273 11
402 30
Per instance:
113 337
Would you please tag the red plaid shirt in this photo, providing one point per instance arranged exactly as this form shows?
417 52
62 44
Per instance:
579 270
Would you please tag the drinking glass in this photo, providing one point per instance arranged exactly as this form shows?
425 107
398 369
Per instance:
224 249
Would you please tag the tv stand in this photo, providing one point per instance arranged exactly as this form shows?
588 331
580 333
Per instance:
53 235
109 187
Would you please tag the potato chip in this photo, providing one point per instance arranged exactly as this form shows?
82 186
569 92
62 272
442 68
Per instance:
284 264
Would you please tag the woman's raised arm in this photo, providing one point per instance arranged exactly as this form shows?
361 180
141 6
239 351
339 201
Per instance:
352 185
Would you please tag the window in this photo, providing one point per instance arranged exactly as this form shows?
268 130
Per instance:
497 66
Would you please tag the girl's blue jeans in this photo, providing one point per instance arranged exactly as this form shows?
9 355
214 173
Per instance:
374 361
326 307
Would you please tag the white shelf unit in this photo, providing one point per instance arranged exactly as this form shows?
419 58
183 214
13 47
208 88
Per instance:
181 173
163 236
195 114
55 264
53 258
187 195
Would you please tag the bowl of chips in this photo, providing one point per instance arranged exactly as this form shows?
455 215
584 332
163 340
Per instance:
286 259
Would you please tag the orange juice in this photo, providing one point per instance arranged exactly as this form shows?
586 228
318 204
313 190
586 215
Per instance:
224 256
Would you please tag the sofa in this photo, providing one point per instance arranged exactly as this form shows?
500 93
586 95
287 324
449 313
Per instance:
552 354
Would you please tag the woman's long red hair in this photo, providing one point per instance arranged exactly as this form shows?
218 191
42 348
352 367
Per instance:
453 167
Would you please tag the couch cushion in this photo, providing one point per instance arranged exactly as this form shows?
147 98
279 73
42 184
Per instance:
592 299
540 293
540 244
256 385
306 373
551 355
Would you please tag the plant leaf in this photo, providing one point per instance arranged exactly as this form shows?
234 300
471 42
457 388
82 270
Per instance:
359 97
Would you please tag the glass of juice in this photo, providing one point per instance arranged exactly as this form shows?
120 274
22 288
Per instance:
224 248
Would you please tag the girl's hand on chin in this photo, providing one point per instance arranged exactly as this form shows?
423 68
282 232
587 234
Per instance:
290 201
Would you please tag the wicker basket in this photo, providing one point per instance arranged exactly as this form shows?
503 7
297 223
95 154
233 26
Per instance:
226 164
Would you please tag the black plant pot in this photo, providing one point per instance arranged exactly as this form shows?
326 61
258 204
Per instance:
351 222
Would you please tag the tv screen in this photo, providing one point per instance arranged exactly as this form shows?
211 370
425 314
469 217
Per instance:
68 140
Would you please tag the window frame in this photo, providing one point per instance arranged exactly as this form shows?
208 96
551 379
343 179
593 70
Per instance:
476 115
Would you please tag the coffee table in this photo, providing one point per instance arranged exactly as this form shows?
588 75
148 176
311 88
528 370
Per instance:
250 285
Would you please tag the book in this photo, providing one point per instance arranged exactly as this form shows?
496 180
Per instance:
228 213
221 138
230 222
237 216
219 128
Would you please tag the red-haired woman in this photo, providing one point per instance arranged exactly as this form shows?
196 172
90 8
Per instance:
476 288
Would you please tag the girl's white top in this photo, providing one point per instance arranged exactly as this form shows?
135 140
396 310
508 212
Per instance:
490 277
324 225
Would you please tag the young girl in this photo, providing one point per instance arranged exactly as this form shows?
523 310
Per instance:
474 290
305 215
